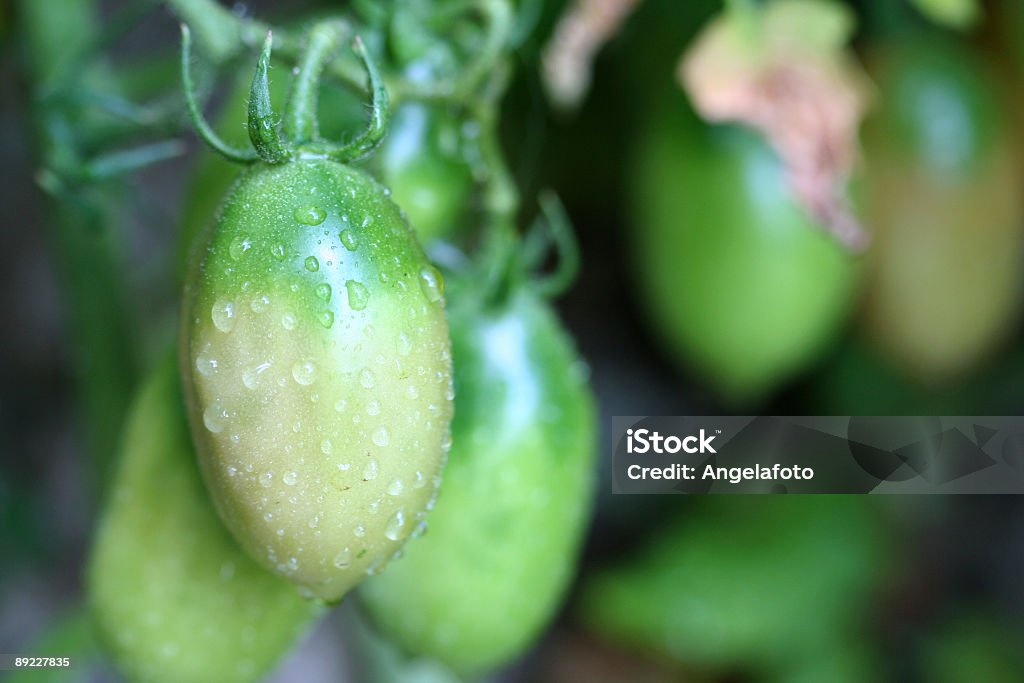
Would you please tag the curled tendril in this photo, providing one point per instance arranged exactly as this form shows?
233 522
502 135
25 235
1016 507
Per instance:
553 229
203 128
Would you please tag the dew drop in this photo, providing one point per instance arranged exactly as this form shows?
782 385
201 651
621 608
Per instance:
312 265
359 531
290 478
381 437
326 446
340 405
323 291
259 303
251 376
404 344
288 321
412 392
358 295
370 471
394 528
310 215
277 251
206 364
215 417
239 246
266 479
223 315
326 319
432 284
304 372
373 408
343 559
349 239
395 488
366 378
420 481
232 470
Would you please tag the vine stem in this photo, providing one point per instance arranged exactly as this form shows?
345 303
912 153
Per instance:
300 121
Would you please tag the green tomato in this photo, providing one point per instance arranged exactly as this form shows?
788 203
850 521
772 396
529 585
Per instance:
943 200
502 543
744 581
740 284
317 369
174 597
422 162
340 112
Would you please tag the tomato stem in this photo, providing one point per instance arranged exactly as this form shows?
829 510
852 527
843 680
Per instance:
300 121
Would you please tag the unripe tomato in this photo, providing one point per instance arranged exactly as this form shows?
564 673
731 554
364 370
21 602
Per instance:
502 543
740 284
944 203
174 596
317 370
422 162
744 581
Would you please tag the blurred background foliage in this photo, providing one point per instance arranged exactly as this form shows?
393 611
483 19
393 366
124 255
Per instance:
927 322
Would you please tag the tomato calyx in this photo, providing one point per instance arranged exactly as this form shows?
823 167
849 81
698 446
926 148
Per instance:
296 136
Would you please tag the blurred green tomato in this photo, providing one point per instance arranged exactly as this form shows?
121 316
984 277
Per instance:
421 161
174 597
740 284
502 543
743 581
944 203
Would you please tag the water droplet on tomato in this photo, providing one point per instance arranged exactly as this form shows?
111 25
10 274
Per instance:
239 246
349 239
432 284
394 528
358 295
304 372
312 265
223 315
310 215
370 471
215 417
206 364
